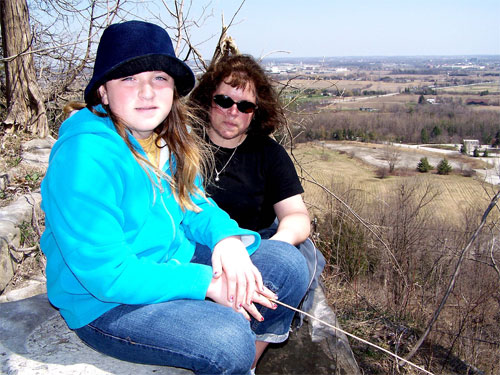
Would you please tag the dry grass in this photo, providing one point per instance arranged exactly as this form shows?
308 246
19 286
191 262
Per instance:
492 88
359 84
463 93
331 168
359 314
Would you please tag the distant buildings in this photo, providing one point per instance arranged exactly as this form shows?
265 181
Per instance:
303 68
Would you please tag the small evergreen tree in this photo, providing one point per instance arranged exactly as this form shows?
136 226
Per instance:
475 153
485 153
444 167
424 136
424 166
436 132
421 99
495 142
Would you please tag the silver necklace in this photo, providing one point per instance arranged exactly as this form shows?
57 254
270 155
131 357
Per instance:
217 173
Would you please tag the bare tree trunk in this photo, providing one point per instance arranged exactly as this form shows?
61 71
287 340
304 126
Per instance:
25 107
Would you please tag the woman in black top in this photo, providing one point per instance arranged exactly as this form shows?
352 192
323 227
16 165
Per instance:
254 179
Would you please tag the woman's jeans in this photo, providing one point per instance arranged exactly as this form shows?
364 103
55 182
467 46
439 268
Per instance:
204 336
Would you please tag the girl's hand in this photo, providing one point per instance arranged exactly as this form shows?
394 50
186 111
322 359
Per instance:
217 291
242 278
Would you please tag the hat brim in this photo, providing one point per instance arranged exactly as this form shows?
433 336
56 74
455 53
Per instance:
181 73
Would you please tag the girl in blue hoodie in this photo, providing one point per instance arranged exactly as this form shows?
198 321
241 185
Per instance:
140 263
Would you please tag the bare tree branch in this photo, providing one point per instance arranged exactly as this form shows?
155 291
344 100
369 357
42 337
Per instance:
493 262
453 279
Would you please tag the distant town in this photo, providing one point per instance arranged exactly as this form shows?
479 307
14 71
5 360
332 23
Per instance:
341 67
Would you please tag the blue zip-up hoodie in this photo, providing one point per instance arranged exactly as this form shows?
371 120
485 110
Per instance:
109 239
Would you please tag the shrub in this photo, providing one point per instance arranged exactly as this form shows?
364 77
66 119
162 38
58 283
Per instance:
467 172
382 172
444 167
424 166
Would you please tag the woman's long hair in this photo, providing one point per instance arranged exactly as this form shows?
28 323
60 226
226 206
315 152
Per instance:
187 154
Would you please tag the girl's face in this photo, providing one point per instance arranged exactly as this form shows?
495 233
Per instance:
141 101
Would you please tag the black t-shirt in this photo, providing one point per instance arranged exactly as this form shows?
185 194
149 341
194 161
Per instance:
258 175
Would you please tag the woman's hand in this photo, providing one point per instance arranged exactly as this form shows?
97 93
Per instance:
217 291
230 257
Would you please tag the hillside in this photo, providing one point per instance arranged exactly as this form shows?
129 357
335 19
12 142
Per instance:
387 275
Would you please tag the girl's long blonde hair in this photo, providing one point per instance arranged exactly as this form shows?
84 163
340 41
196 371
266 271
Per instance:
188 156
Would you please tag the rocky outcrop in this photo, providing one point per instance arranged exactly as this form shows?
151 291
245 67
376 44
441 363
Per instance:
11 217
35 156
34 339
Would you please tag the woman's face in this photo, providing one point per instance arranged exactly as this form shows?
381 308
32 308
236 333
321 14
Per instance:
228 125
141 101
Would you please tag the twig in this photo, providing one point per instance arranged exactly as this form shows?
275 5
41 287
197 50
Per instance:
494 263
34 216
453 279
23 250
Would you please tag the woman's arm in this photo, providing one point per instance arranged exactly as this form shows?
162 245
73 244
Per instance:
294 223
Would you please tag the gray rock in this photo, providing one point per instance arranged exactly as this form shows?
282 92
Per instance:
9 234
34 339
21 209
32 287
11 217
313 349
36 152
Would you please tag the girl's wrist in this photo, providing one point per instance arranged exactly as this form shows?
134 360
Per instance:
229 239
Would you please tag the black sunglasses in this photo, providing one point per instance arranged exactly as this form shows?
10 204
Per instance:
243 106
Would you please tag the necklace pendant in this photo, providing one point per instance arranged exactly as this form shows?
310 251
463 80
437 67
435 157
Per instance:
217 173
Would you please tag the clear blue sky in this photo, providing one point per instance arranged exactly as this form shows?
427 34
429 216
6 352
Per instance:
359 27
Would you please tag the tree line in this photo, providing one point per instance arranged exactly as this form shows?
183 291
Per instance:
448 122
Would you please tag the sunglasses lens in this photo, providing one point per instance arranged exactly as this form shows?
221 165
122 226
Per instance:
225 102
246 107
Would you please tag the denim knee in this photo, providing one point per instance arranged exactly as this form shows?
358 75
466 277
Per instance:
282 263
234 352
284 271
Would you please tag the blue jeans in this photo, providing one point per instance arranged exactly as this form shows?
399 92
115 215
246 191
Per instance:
203 336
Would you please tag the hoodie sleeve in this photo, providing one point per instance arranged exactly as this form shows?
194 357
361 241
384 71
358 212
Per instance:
82 198
212 224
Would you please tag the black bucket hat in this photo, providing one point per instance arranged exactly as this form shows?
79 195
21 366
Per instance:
134 47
